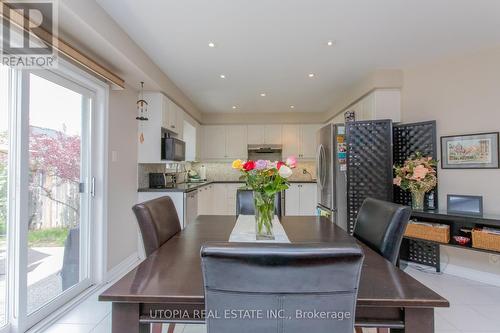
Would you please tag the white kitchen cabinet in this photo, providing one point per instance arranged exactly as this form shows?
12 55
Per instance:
190 137
179 121
162 113
308 202
202 201
265 134
300 141
308 141
300 199
236 142
225 142
291 138
273 134
214 142
220 199
206 200
292 200
256 135
171 115
379 104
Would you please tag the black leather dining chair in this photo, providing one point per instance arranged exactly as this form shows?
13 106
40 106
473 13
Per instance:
381 226
288 280
244 203
158 222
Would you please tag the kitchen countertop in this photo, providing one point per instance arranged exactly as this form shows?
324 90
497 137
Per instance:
188 187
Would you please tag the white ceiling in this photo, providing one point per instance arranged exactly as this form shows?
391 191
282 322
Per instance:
272 45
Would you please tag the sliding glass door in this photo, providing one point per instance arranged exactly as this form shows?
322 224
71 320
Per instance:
47 237
58 179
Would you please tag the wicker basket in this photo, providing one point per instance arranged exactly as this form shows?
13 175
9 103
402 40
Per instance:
429 231
485 240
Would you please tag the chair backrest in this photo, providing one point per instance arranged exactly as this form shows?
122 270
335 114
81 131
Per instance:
158 222
381 226
244 203
283 283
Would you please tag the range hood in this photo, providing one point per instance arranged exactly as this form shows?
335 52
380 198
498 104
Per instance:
264 148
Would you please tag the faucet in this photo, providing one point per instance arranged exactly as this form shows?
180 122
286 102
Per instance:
305 172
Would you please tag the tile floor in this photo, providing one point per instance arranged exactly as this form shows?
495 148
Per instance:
475 307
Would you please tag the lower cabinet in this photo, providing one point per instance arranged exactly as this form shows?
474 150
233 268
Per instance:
218 199
301 199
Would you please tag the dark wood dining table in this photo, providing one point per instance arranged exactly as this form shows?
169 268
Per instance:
169 283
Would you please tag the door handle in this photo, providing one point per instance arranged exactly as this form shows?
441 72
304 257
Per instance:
92 187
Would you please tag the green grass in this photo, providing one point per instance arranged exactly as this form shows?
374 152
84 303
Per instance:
47 237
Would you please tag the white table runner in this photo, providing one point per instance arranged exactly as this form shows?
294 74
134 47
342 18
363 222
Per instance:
244 231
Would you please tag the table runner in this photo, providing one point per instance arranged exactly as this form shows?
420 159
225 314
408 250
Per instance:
244 231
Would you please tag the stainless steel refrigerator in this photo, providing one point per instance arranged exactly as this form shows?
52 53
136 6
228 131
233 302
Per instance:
331 166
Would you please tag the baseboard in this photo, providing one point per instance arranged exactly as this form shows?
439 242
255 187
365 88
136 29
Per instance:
122 268
473 274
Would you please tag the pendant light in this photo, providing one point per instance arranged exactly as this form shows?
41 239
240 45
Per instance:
142 106
142 112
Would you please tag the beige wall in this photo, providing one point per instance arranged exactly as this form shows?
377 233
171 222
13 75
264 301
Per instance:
463 95
122 176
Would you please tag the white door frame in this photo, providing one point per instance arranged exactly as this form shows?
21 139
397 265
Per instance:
19 319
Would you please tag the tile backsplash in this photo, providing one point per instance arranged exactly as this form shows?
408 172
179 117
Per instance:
222 171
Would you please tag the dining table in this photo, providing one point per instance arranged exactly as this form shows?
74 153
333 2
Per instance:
167 286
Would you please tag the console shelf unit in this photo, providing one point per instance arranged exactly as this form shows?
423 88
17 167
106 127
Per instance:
426 252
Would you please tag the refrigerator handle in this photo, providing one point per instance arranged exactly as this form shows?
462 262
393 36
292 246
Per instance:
318 166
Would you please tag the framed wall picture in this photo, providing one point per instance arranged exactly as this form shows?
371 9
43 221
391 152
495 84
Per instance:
471 151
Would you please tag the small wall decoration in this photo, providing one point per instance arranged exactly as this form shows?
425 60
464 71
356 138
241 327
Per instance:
470 151
349 116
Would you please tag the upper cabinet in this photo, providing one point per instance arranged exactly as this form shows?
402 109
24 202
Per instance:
162 113
224 142
300 141
236 141
379 104
265 134
173 118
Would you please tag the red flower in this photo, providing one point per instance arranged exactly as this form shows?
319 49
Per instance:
249 165
279 165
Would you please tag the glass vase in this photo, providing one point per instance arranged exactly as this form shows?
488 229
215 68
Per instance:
264 214
417 200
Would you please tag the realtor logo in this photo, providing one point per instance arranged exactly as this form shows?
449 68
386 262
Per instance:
28 33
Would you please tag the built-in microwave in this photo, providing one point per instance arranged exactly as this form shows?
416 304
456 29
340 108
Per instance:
173 149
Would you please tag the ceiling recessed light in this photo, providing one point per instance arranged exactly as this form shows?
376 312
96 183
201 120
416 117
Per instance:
330 43
211 44
311 75
234 107
222 76
263 94
292 106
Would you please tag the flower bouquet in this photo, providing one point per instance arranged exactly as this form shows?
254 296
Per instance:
417 175
266 179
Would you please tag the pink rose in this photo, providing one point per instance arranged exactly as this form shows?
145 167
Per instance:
291 162
420 172
397 181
